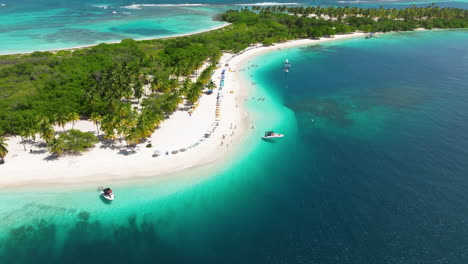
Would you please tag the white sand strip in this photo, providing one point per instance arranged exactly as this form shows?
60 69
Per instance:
181 130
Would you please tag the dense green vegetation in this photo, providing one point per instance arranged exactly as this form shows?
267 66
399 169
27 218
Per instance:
72 141
379 20
106 83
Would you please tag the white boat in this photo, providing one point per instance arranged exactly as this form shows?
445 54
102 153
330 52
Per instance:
108 194
271 134
287 66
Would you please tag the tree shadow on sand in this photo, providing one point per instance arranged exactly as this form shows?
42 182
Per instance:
51 157
126 151
38 151
107 144
121 150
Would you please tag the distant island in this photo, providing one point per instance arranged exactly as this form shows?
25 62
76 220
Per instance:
126 90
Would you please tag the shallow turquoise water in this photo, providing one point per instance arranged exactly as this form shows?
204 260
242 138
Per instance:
30 25
47 25
372 170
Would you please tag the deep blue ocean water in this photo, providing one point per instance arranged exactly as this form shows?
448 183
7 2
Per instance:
30 25
373 169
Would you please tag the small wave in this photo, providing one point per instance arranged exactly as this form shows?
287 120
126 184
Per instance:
139 6
101 6
366 2
268 4
2 5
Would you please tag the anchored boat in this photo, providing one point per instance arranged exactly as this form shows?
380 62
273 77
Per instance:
287 66
271 134
108 194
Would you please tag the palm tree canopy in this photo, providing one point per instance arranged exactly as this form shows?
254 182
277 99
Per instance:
3 147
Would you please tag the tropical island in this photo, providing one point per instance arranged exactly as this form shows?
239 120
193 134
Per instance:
122 96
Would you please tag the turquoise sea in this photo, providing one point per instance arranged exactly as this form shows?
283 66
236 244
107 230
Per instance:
30 25
373 169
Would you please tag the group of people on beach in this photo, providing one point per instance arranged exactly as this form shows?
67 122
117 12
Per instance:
215 124
250 67
232 128
218 105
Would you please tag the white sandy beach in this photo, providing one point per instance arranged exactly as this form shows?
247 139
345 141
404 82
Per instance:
181 130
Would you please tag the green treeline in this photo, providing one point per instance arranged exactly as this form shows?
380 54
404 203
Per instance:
339 13
105 83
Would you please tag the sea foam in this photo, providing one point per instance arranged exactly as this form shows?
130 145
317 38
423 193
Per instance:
366 2
101 6
268 4
139 6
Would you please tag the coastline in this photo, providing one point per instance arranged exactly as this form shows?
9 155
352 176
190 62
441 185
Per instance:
105 163
118 41
365 155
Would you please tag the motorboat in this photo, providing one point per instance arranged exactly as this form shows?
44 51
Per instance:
271 134
287 66
108 194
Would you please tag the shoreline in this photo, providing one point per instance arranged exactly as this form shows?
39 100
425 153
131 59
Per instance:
118 41
103 163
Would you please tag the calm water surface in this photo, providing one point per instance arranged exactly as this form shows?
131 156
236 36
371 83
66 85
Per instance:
373 169
30 25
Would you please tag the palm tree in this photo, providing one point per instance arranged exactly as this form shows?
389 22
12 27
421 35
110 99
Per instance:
24 134
144 125
132 136
108 126
31 132
186 84
96 118
55 147
62 120
159 81
173 83
211 85
3 149
45 129
138 90
72 117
